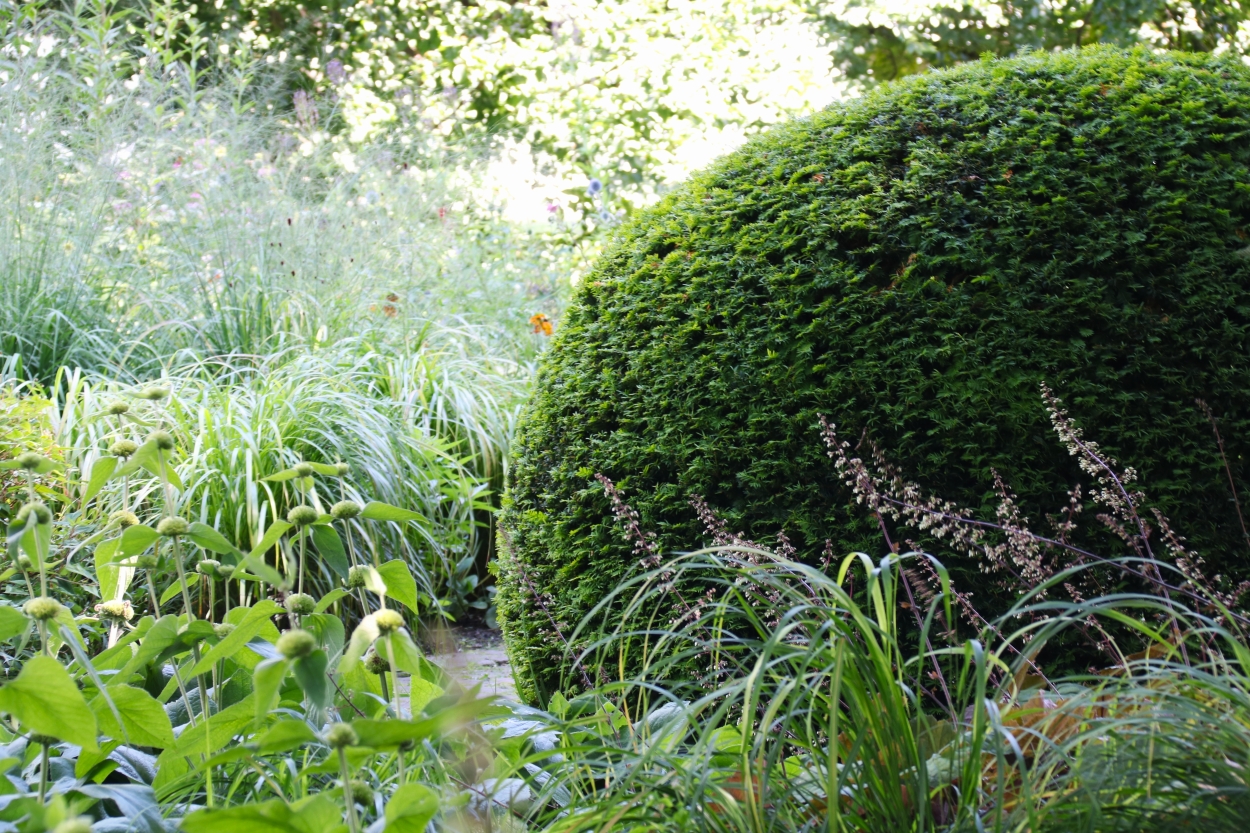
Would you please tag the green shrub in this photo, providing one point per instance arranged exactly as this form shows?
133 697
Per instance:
912 265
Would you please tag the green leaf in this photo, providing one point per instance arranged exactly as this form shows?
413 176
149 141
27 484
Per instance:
221 728
251 625
162 634
136 539
253 567
316 814
12 622
270 539
310 673
410 809
284 736
375 511
106 570
328 599
37 541
144 720
364 635
148 457
408 657
210 539
44 699
400 584
100 474
329 632
281 477
267 683
176 588
330 548
374 582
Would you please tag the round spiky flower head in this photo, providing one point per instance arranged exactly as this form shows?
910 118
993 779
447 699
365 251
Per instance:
147 561
35 510
341 735
595 186
81 824
42 608
304 470
301 604
388 620
302 516
360 792
117 610
123 448
208 567
163 440
225 571
223 630
375 663
341 469
296 644
154 393
345 510
24 563
124 518
29 460
356 577
118 408
170 527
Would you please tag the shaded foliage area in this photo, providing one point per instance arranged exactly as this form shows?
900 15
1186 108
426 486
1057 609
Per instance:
913 265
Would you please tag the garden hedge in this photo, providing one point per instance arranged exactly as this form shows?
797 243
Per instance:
913 264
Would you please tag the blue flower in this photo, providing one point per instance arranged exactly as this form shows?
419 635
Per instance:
595 187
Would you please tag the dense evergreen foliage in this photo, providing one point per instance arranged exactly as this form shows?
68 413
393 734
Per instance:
912 264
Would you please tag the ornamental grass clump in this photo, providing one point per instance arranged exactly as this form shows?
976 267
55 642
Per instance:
912 265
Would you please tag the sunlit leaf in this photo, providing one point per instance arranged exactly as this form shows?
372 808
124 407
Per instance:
100 474
400 585
12 622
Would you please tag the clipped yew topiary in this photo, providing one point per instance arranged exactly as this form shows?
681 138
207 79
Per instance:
912 264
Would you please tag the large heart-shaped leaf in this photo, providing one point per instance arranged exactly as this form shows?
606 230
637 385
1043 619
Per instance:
12 622
44 699
143 720
410 809
310 673
100 474
400 585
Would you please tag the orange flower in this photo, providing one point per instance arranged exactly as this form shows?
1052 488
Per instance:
541 323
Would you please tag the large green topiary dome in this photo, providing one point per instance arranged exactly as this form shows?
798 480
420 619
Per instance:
912 264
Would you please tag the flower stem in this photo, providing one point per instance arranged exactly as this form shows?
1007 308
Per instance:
43 773
352 824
